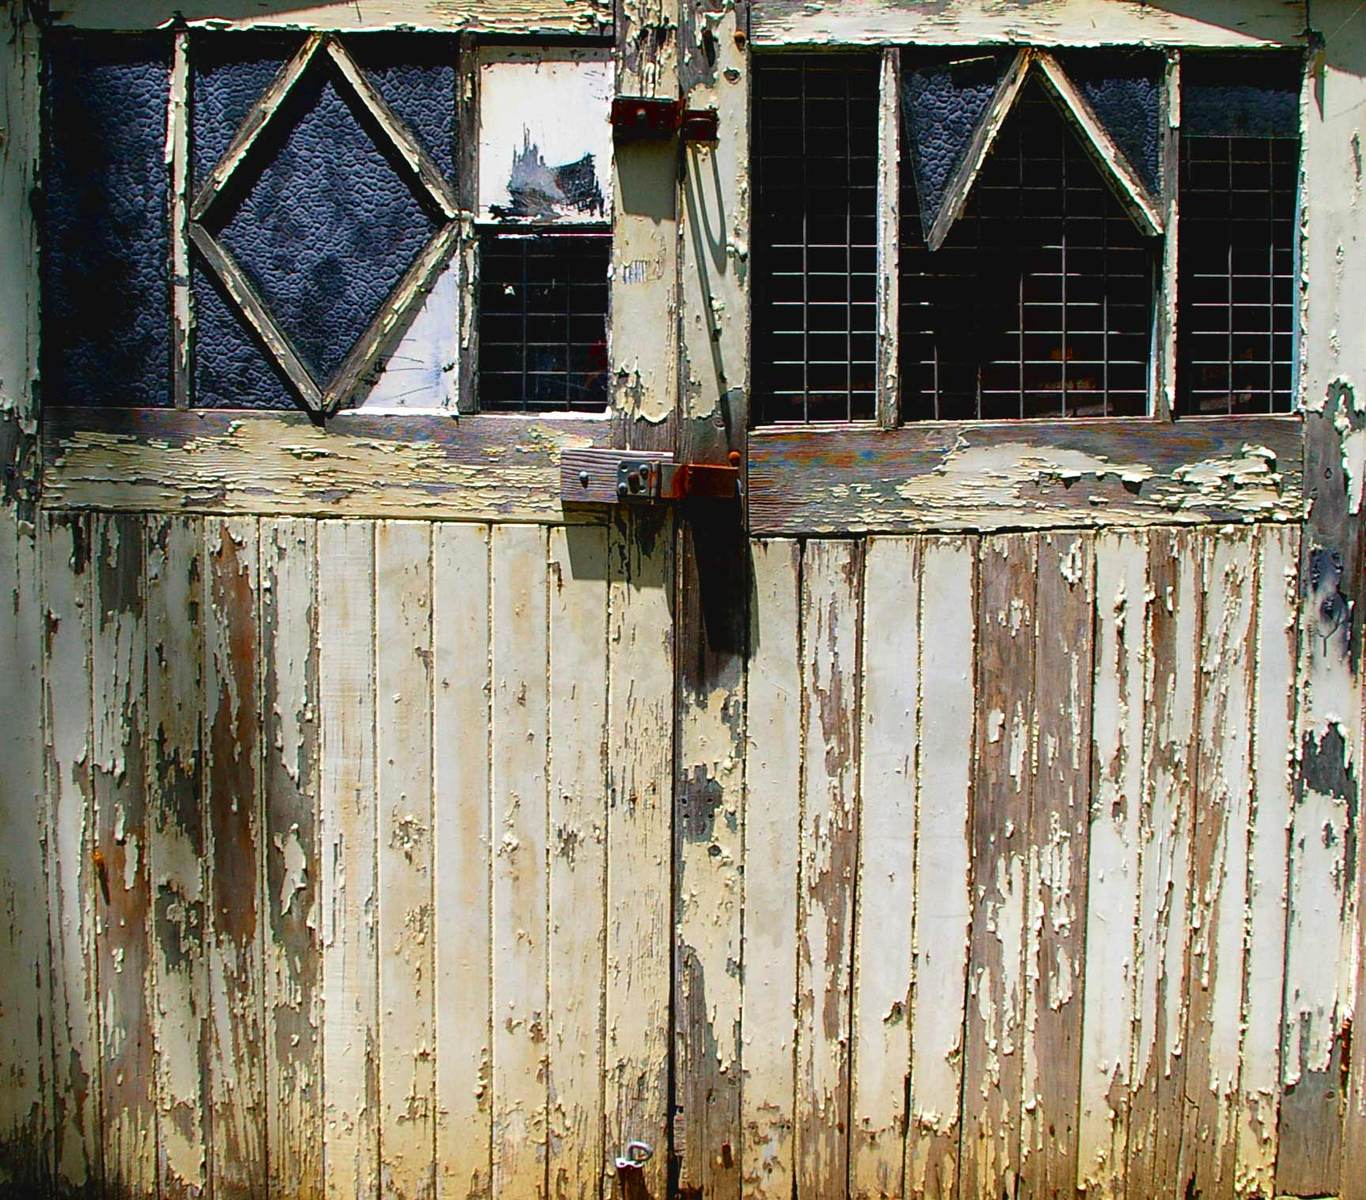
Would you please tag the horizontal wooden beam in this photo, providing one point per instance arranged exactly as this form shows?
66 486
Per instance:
1232 23
441 467
1024 475
593 17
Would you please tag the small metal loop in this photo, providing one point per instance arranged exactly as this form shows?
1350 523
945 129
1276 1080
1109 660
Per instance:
636 1156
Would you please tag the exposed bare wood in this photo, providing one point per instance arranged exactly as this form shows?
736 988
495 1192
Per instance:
1213 23
123 966
1024 474
403 797
1056 901
1164 357
578 861
461 855
889 770
1272 725
25 1012
467 246
889 238
1112 889
959 186
1002 795
831 593
1166 828
178 159
347 836
290 631
519 810
176 849
944 873
481 16
64 546
232 733
1142 206
640 571
470 468
1220 865
773 747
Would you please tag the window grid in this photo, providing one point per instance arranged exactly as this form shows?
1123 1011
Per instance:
1042 228
1236 286
815 316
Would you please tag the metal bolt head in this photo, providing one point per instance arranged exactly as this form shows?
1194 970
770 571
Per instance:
583 478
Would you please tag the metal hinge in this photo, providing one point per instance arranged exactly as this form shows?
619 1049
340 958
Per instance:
642 477
645 118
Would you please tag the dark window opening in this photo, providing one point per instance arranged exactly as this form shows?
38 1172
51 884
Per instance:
1236 225
543 321
1039 303
815 299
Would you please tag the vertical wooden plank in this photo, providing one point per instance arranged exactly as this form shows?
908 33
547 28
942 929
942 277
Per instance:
1324 1066
1002 794
831 582
1112 886
889 239
123 898
943 865
233 794
578 859
71 888
178 161
403 794
883 945
1164 360
1166 827
1273 723
518 572
1219 864
175 671
771 819
293 961
1057 843
25 1062
640 765
346 693
461 850
466 259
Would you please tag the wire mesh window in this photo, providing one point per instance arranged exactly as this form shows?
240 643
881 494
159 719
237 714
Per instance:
1236 286
1039 303
815 301
543 321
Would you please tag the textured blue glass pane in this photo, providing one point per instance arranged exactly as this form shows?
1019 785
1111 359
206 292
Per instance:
1125 91
415 73
106 290
941 106
231 368
325 226
230 73
1240 95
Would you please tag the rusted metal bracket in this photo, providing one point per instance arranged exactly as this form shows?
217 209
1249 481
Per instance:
642 477
646 118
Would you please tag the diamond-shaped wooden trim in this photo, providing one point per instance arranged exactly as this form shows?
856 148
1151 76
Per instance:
325 396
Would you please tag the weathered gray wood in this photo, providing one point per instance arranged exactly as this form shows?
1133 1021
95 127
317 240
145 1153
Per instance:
176 846
178 157
403 797
1056 900
831 594
519 811
1002 797
1034 474
889 771
889 239
347 836
232 736
467 192
577 848
1163 390
1216 23
123 960
773 747
359 465
64 547
290 630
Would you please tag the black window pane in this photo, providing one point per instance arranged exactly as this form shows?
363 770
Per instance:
815 230
543 321
106 272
